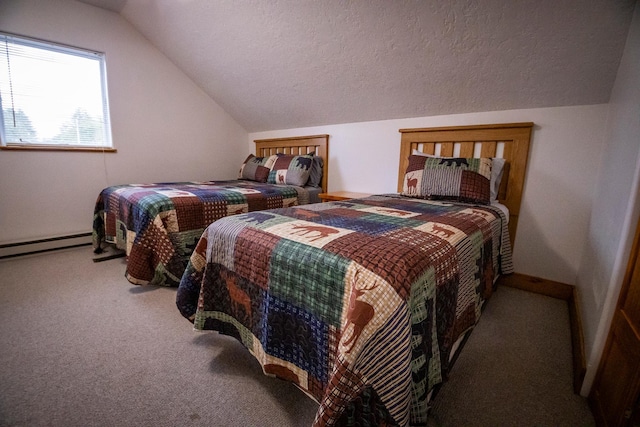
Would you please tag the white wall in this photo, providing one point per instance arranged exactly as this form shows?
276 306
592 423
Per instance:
565 155
164 127
615 215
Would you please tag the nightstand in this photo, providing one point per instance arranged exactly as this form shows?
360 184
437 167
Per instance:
341 195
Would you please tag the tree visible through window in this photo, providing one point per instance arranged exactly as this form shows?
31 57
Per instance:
52 95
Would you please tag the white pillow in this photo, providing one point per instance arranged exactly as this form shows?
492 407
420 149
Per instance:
497 167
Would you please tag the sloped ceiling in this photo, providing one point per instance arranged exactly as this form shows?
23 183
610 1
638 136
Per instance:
277 64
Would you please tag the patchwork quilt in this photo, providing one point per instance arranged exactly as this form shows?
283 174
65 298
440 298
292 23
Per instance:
357 302
158 225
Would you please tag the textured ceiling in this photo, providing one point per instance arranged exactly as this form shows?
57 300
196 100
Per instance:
277 64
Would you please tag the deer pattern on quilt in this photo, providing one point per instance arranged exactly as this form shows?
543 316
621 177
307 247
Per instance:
360 312
239 298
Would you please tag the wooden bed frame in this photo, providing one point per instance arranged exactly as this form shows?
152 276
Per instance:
298 145
509 141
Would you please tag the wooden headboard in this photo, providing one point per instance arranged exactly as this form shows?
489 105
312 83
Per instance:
509 141
298 145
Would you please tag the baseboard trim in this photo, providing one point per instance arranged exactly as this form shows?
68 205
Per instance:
30 247
569 294
538 285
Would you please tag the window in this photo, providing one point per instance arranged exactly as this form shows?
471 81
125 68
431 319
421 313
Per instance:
52 96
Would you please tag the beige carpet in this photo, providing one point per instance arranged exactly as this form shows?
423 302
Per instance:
80 346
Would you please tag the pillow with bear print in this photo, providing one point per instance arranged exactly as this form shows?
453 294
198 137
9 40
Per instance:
456 179
291 170
497 169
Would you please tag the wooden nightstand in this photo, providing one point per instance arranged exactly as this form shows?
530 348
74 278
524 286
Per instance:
341 195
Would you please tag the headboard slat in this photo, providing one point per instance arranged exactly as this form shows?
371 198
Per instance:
488 149
467 149
446 149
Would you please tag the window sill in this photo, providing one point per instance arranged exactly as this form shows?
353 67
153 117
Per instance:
34 147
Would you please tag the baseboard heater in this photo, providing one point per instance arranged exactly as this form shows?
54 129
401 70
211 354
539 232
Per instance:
30 247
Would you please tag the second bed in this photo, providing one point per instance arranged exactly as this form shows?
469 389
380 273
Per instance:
158 225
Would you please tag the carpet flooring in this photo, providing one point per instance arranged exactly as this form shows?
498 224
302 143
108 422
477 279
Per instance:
81 346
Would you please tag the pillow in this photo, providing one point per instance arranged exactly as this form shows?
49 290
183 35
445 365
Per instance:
291 170
315 173
256 168
453 178
497 167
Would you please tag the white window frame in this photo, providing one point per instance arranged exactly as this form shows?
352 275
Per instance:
106 143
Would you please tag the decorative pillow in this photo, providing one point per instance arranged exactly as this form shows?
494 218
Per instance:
256 168
291 170
497 167
315 173
456 179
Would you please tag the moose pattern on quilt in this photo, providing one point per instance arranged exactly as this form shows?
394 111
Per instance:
158 225
357 302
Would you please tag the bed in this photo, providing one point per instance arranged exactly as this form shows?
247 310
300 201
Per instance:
156 226
364 303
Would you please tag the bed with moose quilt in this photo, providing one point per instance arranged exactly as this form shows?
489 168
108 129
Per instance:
158 225
358 302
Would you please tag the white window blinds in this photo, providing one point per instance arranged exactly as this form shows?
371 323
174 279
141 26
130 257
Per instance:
52 95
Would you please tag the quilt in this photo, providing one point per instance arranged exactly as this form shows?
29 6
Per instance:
158 225
359 302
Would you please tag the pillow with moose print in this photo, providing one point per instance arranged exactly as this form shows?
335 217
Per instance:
451 178
291 170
